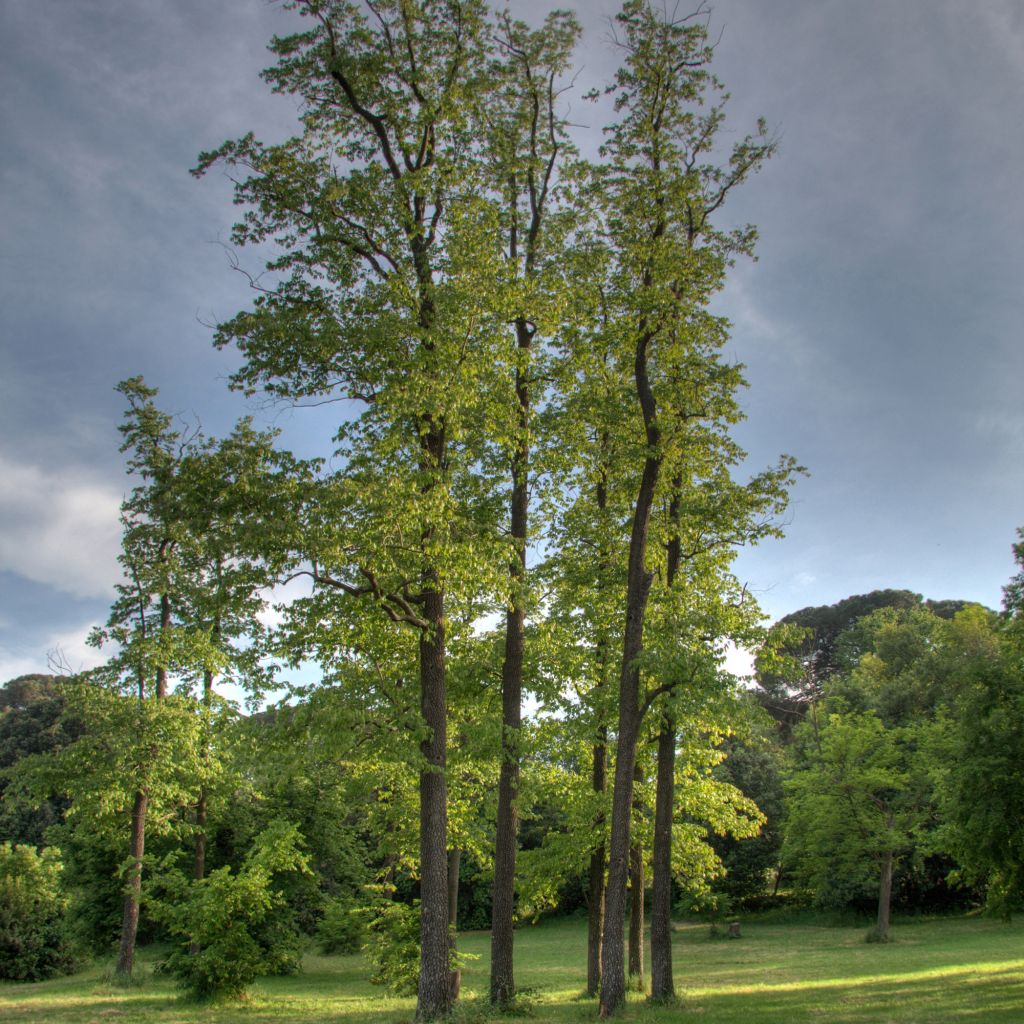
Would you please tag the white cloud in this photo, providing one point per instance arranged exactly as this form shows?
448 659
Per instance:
59 528
279 597
739 661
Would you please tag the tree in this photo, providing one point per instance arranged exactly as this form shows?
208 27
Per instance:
851 804
527 143
32 722
385 298
981 739
659 198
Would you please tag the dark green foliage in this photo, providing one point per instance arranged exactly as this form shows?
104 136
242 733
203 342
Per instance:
984 823
393 947
32 721
752 864
342 928
33 941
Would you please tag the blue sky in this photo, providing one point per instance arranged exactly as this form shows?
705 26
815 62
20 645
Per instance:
881 326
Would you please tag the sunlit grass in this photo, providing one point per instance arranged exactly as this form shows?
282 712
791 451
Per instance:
936 972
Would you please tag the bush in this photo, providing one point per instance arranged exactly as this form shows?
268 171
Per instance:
394 947
229 924
341 930
33 942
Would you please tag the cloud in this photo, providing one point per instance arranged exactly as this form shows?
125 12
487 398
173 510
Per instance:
62 651
59 528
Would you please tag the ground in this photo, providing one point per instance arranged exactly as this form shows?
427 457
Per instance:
935 972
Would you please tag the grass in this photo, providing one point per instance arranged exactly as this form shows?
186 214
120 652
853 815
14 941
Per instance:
935 972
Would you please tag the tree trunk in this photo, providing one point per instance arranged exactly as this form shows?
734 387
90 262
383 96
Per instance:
884 898
638 588
503 988
133 889
613 965
636 917
595 892
662 984
454 976
434 995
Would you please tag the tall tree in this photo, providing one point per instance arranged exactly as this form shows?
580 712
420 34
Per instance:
527 141
385 298
667 261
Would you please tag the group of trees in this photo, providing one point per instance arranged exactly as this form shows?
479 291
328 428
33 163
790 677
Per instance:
894 764
525 361
533 490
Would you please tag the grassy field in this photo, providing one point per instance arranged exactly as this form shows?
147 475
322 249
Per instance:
935 972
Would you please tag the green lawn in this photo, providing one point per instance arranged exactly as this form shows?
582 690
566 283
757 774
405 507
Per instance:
936 972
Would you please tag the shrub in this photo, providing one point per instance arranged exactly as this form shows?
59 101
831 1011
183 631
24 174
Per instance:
33 942
229 924
394 947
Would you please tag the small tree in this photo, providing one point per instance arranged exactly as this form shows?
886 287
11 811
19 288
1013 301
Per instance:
851 806
226 922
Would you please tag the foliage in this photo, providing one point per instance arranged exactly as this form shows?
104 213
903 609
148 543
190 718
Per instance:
342 928
982 739
227 924
393 946
849 805
32 721
33 940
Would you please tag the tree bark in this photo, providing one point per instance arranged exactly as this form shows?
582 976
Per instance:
662 984
636 916
503 906
595 891
455 975
133 889
884 898
638 588
434 994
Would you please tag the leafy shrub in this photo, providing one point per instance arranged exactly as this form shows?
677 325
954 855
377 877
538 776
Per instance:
394 946
341 930
33 943
229 924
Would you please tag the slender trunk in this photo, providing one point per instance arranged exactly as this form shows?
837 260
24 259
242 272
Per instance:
165 625
595 891
137 843
434 997
503 905
199 860
638 588
454 976
884 898
199 856
662 984
133 888
636 916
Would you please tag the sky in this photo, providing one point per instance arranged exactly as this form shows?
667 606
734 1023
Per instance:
880 326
